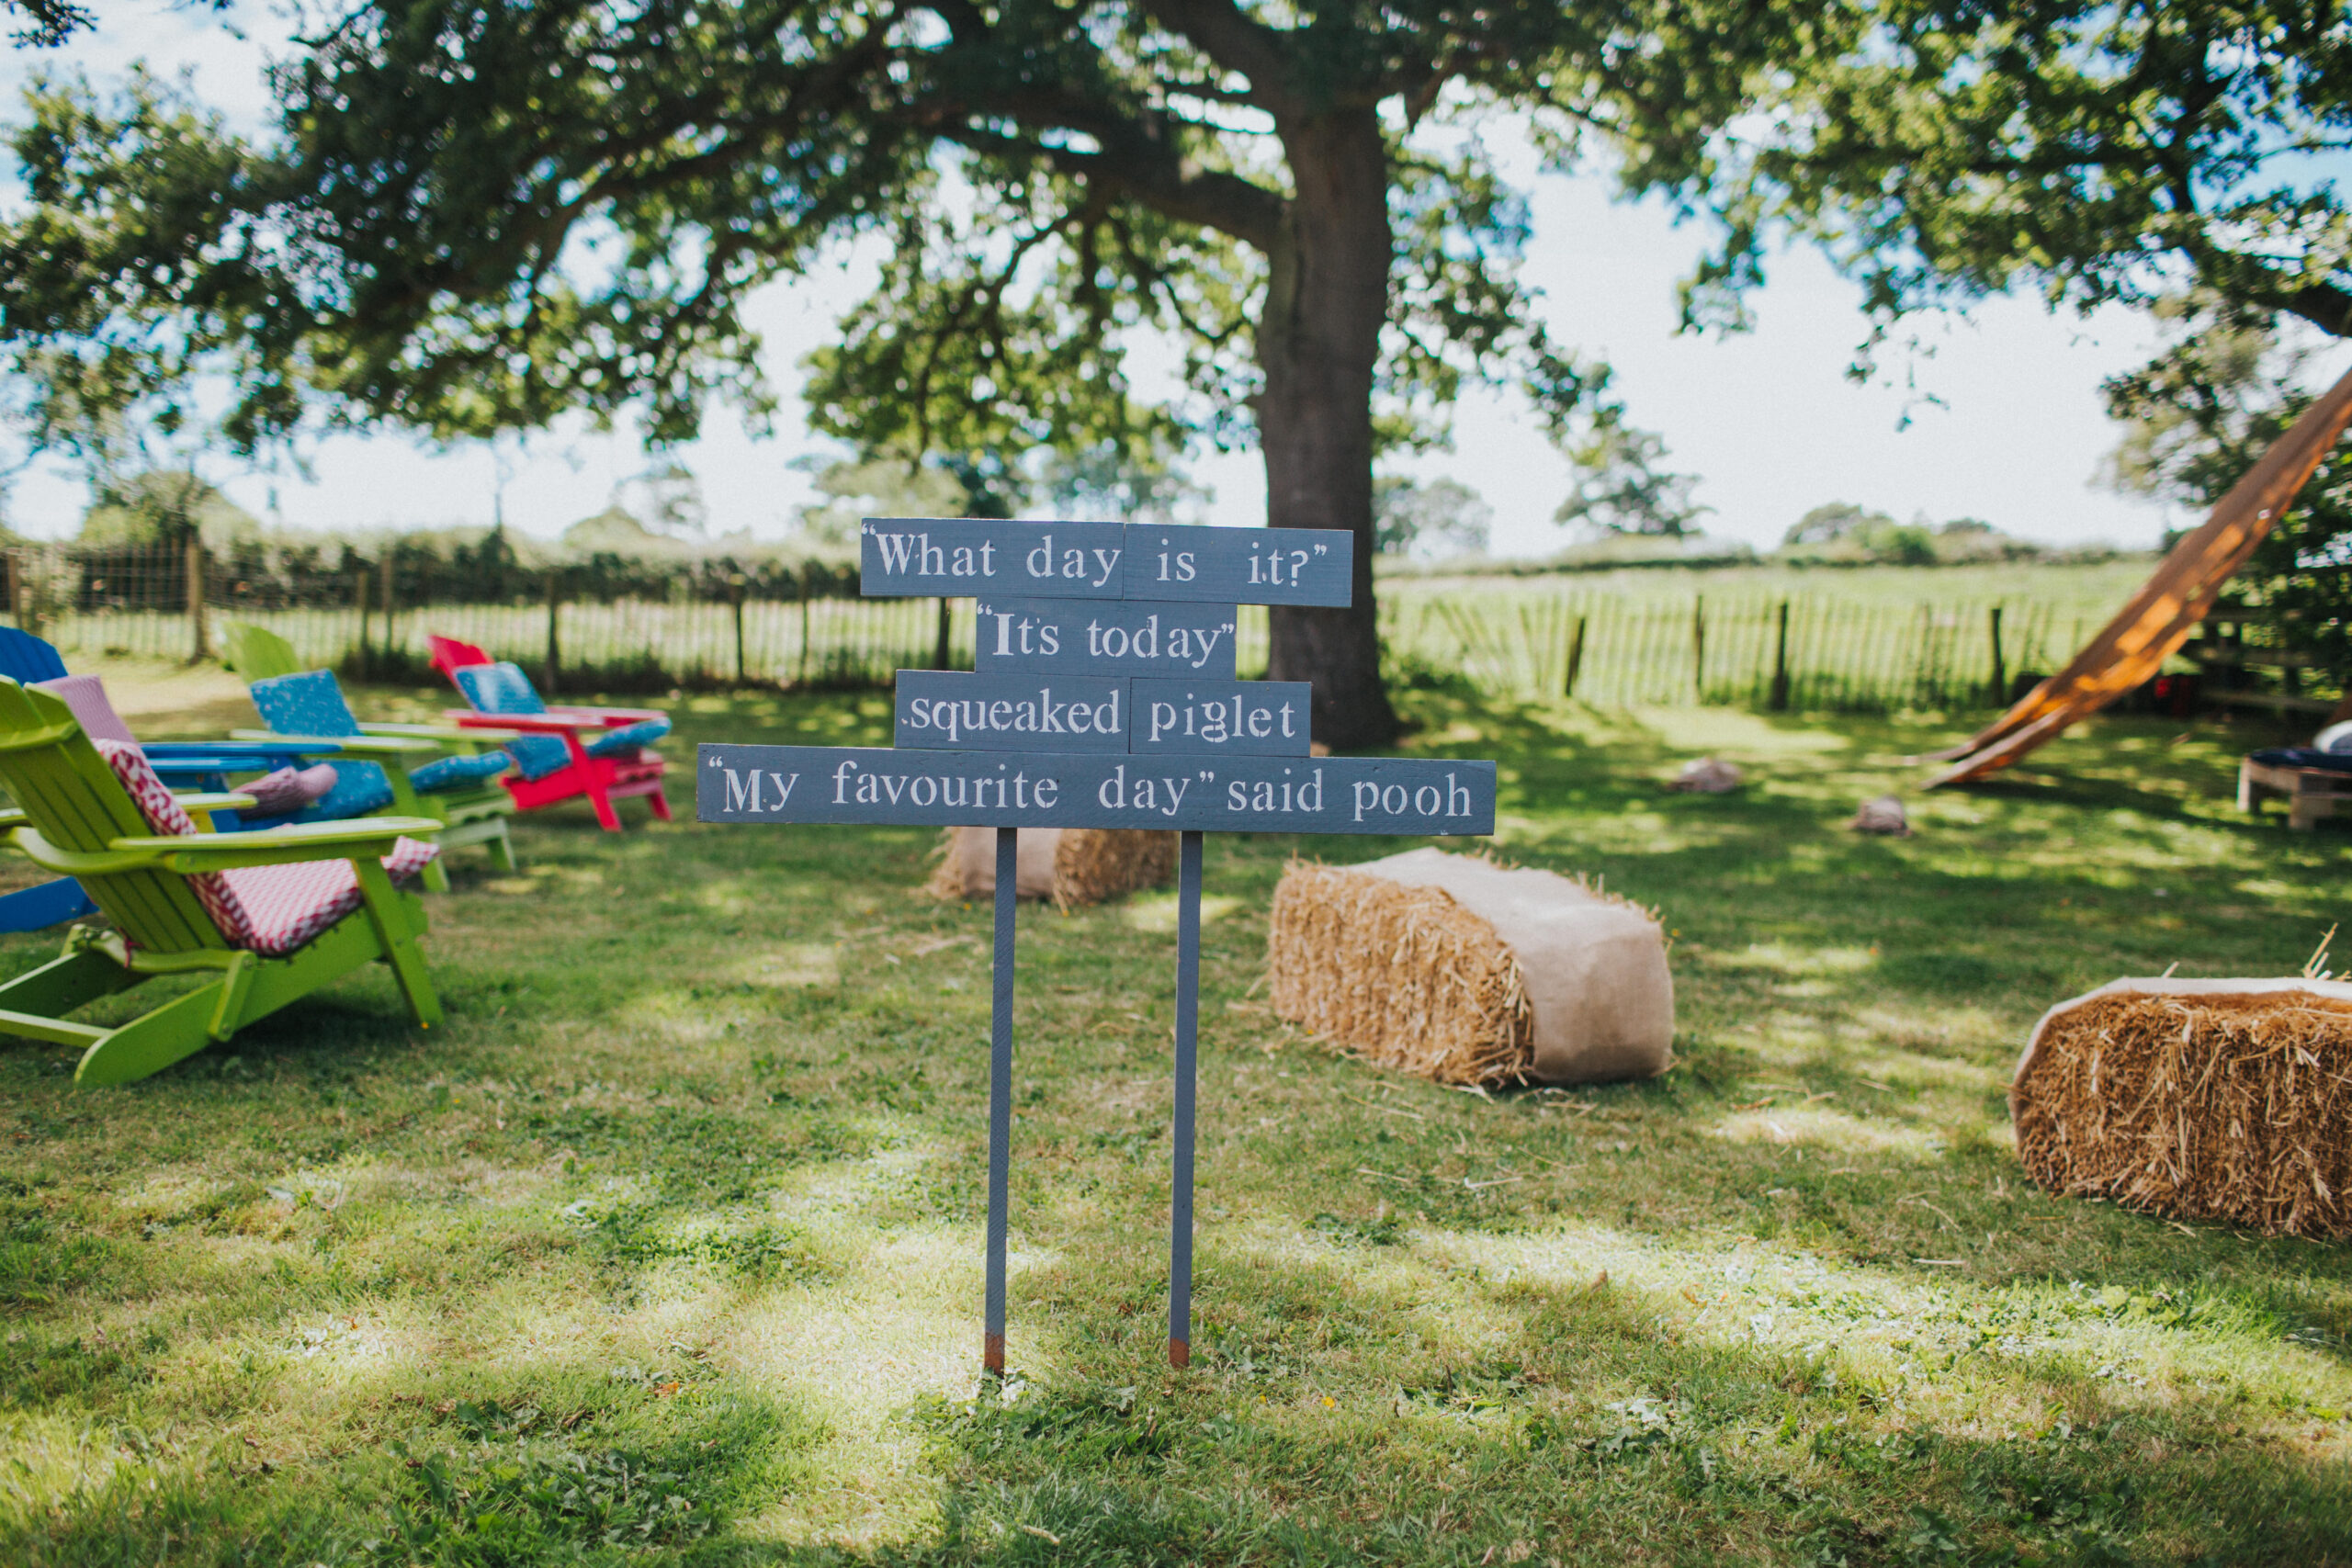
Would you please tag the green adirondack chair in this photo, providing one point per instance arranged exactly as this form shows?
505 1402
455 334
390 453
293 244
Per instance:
74 816
257 653
472 810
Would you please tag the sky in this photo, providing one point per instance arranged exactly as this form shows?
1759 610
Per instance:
2002 421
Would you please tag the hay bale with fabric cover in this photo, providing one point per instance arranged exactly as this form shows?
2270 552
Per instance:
1070 865
1471 973
2215 1099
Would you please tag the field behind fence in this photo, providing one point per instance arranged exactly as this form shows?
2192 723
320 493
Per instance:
1861 640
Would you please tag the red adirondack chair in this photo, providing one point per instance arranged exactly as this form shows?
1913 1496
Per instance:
554 763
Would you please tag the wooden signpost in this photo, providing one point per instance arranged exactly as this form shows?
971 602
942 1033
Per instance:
1103 697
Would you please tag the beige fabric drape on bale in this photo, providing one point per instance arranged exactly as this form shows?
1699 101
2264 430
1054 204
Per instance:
2159 618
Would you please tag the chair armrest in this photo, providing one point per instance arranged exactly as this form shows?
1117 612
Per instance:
611 719
190 801
525 723
445 732
211 800
247 743
203 762
201 806
361 745
276 846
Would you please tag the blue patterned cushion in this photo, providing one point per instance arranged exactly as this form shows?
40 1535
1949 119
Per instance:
308 704
359 788
537 756
644 732
457 772
497 688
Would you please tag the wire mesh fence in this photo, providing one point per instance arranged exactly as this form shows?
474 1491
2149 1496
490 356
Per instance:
1811 653
625 624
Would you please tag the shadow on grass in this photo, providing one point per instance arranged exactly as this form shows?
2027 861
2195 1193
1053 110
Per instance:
702 1085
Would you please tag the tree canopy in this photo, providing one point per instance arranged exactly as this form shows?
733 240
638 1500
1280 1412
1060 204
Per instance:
2091 150
477 216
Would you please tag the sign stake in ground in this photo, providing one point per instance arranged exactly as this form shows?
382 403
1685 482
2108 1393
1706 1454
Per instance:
1188 1029
1008 896
1106 700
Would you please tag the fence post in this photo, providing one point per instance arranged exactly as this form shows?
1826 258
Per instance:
1699 646
1575 659
803 679
940 650
2000 672
555 648
1780 699
197 642
384 600
359 597
735 585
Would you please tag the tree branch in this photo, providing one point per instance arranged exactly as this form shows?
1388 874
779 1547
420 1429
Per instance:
1150 173
1219 29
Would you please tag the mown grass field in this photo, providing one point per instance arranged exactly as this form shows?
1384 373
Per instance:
667 1248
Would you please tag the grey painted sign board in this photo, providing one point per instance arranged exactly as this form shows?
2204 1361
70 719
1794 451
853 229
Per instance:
1241 565
950 710
1102 637
953 558
877 784
1219 719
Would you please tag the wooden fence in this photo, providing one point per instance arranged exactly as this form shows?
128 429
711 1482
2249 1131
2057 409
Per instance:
1816 649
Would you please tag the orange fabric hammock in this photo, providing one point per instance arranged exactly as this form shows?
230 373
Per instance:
2152 627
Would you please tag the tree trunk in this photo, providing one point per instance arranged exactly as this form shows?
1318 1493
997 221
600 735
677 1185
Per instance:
1318 339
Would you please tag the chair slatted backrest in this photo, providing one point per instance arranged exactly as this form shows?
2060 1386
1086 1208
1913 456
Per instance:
26 658
497 688
450 655
309 704
72 796
256 652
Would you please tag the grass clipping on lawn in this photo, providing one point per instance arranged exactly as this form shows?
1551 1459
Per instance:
1400 976
2201 1099
1091 866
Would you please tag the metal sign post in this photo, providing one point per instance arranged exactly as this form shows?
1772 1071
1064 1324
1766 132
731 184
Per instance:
1106 698
1188 1030
1008 892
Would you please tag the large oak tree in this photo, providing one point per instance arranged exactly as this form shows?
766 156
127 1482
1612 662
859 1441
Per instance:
475 216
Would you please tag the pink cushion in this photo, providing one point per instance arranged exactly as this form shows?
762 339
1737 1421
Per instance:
288 789
268 909
87 696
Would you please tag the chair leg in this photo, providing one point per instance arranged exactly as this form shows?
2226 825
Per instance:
500 848
436 877
178 1029
607 817
60 986
399 940
660 803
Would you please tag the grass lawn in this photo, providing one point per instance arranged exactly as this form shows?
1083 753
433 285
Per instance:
669 1245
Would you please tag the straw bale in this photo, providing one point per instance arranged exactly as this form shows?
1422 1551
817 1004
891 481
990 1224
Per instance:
1070 865
2219 1099
1093 865
1401 976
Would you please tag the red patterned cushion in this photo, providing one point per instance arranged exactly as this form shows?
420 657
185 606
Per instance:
268 909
